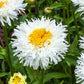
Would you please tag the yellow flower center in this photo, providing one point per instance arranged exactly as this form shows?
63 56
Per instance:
39 36
2 3
17 80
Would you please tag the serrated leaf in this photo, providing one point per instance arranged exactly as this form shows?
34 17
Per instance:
73 50
20 19
55 75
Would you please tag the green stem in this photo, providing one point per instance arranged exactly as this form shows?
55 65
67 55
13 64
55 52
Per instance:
7 48
64 17
64 68
73 13
37 8
29 10
67 22
26 68
42 76
70 75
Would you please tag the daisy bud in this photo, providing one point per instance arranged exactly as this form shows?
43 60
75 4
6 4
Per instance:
47 10
30 1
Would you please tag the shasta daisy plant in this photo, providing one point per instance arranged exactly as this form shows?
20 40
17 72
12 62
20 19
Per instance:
40 42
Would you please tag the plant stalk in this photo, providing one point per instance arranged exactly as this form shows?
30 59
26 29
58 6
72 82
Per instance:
42 76
7 48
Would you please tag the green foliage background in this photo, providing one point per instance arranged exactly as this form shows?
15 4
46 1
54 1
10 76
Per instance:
63 72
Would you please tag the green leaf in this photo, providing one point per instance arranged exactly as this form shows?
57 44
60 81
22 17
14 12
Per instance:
55 75
71 19
3 66
1 57
1 81
20 19
56 5
30 72
3 74
70 60
73 50
58 17
2 51
40 2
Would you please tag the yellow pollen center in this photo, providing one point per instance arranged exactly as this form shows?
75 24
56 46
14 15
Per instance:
2 3
17 80
39 36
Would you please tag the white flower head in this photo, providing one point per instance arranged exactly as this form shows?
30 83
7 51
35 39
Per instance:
81 5
82 42
40 42
9 9
79 71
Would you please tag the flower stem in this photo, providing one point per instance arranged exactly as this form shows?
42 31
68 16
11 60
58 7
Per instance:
37 8
7 48
74 19
26 68
42 76
67 20
64 17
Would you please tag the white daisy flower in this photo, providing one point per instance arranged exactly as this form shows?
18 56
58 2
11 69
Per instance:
40 42
81 5
79 71
9 9
82 42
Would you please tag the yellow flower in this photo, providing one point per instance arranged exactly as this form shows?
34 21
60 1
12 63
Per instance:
39 36
17 79
2 3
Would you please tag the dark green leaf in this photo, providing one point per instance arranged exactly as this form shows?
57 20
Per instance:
55 75
56 5
3 74
71 19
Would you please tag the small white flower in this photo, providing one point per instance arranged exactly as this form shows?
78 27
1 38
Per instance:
81 5
82 42
9 9
79 71
40 42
